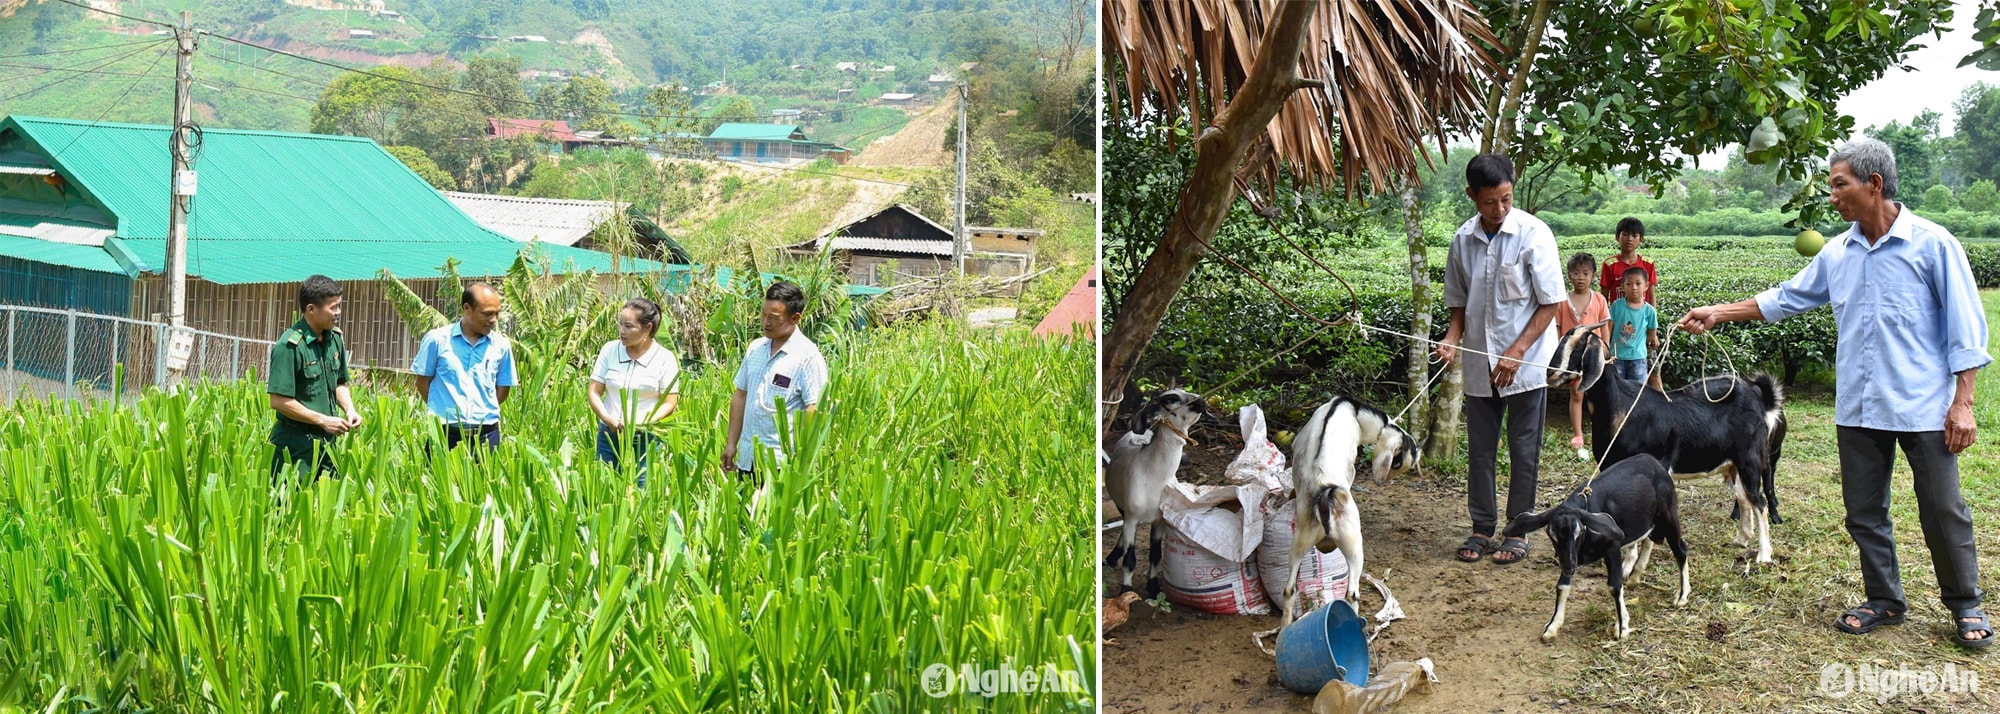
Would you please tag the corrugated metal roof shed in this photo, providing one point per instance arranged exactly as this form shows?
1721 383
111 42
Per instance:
53 229
1076 313
69 255
554 130
892 245
912 210
253 185
549 220
758 132
269 207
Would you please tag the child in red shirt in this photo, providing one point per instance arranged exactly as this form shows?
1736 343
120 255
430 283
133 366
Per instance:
1630 234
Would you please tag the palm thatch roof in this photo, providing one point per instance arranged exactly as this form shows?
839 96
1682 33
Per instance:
1381 75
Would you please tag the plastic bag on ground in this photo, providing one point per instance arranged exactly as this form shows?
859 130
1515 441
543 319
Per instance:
1387 687
1261 462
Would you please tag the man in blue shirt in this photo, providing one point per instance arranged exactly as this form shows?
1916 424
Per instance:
783 365
465 370
1912 337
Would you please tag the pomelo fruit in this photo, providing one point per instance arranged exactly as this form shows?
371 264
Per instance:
1809 242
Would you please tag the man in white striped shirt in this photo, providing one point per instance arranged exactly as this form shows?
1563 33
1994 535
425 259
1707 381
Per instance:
783 365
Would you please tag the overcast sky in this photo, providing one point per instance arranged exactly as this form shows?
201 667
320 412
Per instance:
1933 81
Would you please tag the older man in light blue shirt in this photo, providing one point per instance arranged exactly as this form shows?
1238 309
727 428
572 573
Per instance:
1912 337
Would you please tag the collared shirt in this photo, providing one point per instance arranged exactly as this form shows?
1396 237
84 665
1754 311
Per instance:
306 366
633 388
465 375
1908 317
1500 281
796 373
1612 278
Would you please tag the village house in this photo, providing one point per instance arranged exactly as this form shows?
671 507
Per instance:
897 243
86 230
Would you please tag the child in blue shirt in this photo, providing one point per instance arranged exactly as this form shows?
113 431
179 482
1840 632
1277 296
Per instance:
1635 327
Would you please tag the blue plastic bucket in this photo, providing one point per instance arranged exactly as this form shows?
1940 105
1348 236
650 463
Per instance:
1325 645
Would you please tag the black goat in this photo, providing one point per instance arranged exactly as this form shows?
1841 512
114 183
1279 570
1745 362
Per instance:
1627 509
1727 425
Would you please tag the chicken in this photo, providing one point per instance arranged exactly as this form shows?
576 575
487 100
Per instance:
1116 610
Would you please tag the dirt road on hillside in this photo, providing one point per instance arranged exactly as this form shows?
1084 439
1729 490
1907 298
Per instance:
918 144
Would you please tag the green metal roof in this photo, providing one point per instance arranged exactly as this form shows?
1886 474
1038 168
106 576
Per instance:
237 262
269 207
252 185
754 132
69 255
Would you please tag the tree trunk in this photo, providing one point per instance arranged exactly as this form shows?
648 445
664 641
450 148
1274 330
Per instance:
1418 373
1503 127
1492 114
1449 418
1206 198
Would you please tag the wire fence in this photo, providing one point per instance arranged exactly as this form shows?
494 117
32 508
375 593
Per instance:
75 355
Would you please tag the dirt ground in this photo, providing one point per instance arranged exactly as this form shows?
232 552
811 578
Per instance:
869 197
1478 622
918 144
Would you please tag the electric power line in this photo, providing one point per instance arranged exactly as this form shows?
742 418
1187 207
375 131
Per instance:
500 100
78 49
115 103
73 74
101 72
114 14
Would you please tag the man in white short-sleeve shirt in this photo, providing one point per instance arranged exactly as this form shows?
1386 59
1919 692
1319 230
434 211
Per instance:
1503 283
782 365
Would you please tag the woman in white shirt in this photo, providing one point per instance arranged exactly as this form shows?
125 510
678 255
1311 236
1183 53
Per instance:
636 382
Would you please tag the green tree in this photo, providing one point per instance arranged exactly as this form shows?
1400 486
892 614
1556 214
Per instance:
1981 197
1917 151
589 105
496 77
1611 93
1700 197
425 168
1978 130
1938 198
370 104
736 108
672 109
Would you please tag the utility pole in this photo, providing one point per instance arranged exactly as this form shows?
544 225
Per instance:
179 342
958 247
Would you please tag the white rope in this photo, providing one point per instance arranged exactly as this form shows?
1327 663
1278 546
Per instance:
1363 325
1665 344
1421 392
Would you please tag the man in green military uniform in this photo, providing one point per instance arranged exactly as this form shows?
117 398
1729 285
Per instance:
308 378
